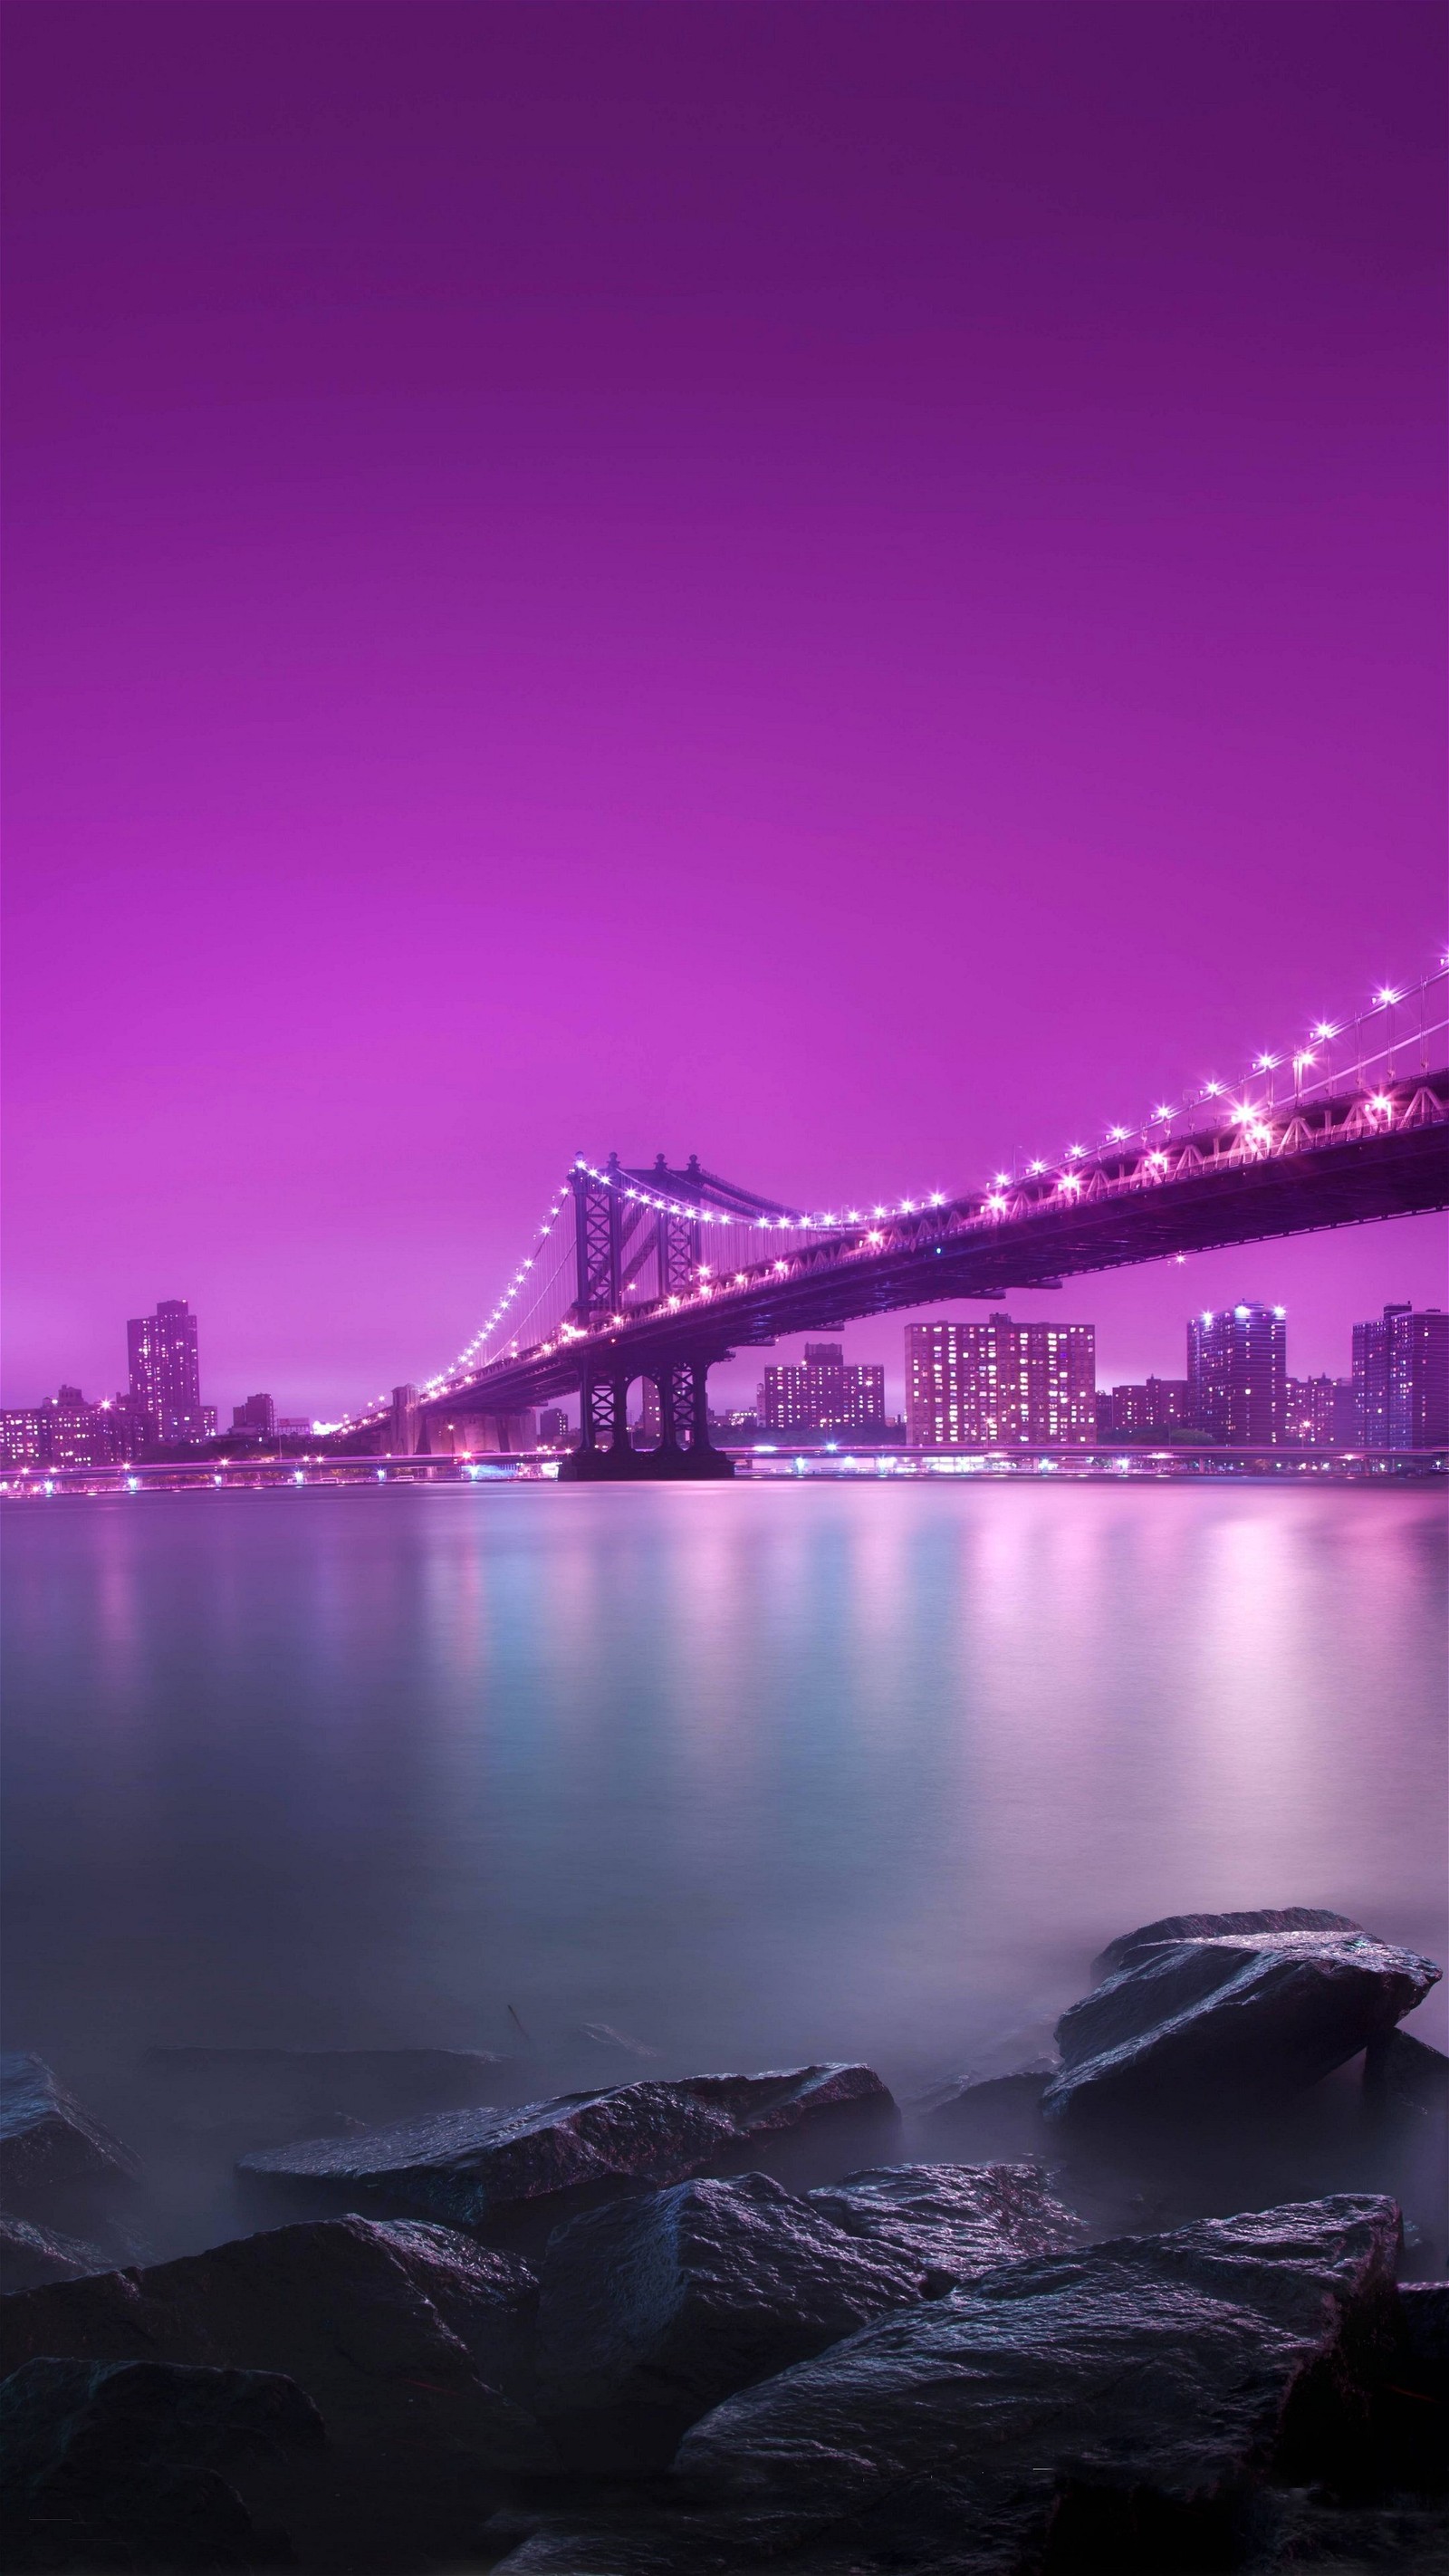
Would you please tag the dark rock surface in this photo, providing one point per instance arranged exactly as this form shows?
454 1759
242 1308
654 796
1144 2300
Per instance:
998 2116
1139 2388
1241 2014
413 2341
30 2256
483 2169
255 2097
1403 2074
1118 2409
116 2464
54 2158
656 2306
954 2221
1213 1927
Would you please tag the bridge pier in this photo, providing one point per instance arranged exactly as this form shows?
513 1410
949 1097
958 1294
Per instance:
683 1407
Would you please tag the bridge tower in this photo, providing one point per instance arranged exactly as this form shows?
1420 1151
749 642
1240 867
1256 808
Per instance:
613 1245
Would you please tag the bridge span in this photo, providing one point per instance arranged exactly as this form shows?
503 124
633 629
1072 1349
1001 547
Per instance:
665 1272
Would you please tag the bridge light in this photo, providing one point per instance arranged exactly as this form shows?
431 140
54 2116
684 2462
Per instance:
1162 1110
1385 995
875 1236
1381 1101
1212 1090
1076 1152
995 1203
938 1198
780 1266
1264 1063
852 1216
1324 1029
1118 1134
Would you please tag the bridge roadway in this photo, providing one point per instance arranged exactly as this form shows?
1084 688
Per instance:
1342 1162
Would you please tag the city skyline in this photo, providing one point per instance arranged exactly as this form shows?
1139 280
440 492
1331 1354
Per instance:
770 601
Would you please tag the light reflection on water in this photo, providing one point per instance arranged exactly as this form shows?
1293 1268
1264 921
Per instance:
756 1773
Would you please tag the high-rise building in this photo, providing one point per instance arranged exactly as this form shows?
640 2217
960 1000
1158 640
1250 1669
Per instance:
1237 1373
1320 1412
1157 1404
1401 1379
999 1385
21 1437
258 1416
553 1425
823 1392
165 1371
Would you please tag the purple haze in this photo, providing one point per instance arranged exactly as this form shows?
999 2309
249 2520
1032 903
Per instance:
849 587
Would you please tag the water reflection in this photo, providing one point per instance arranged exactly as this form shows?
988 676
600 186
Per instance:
759 1774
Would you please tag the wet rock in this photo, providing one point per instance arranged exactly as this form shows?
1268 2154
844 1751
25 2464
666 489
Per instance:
54 2158
257 2097
30 2256
656 2306
955 2221
602 2034
116 2464
485 2169
1402 2074
1213 1927
1190 2021
997 2117
413 2341
1115 2408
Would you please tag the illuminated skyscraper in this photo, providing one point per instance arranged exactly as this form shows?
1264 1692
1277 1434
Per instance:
823 1393
1000 1385
1401 1379
165 1371
1237 1375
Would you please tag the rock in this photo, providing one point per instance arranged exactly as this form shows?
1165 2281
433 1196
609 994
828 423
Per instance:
486 2169
1424 2308
1115 2408
1403 2074
1412 2402
414 2342
656 2306
955 2221
30 2256
1212 1927
998 2117
602 2034
54 2158
257 2097
1250 2013
114 2464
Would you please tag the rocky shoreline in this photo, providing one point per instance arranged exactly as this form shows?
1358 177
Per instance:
1172 2298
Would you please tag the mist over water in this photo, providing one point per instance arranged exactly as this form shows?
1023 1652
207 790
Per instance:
755 1775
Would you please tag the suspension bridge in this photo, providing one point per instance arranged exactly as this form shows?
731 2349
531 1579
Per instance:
660 1272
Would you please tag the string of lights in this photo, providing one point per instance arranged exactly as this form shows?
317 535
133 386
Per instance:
1315 1066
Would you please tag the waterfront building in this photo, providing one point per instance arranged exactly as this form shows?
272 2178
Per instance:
1401 1378
165 1373
293 1426
1156 1404
553 1426
257 1417
1237 1374
999 1385
1320 1412
823 1392
20 1437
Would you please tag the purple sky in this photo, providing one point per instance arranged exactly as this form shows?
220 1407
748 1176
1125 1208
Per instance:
847 587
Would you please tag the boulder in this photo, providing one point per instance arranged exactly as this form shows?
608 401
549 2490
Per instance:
259 2097
414 2342
1118 2407
954 2221
54 2158
491 2169
656 2306
1212 1927
116 2464
996 2116
1405 2077
30 2256
1188 2023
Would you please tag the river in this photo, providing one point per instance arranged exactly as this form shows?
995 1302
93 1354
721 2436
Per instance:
750 1774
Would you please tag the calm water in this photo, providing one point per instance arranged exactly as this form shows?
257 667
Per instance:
754 1774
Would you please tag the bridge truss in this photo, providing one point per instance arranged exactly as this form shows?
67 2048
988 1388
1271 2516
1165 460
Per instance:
664 1271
